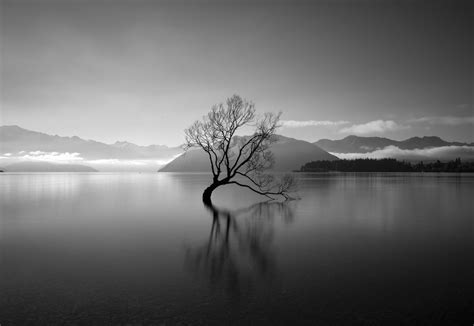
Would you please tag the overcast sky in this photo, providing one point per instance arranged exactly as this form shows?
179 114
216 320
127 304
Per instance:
143 71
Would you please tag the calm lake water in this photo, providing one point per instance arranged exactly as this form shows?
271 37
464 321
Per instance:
141 249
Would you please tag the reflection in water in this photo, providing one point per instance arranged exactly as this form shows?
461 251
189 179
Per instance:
238 255
106 249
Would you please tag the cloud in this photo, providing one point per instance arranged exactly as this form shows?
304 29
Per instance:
114 161
39 152
53 157
445 120
111 164
311 123
434 153
128 165
376 126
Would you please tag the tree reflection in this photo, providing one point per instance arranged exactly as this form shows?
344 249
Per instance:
238 255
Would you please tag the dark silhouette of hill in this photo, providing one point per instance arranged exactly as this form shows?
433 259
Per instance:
387 165
47 167
289 155
357 144
15 139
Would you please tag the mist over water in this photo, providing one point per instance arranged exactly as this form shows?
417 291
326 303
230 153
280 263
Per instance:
116 249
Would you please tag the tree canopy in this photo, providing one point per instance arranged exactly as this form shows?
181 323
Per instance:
240 160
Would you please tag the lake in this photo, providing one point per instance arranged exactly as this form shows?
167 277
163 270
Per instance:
141 249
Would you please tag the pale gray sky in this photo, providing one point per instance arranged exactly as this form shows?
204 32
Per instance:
143 71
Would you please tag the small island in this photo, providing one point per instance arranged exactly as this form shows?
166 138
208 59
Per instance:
47 167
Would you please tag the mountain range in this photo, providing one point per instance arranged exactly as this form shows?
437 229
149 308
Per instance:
357 144
15 139
21 145
18 144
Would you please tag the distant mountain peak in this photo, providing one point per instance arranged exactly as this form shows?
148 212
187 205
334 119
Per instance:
123 144
431 137
15 139
12 127
354 137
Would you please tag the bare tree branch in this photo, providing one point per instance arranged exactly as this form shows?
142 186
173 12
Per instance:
247 157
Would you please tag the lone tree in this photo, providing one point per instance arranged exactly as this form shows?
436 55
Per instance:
239 160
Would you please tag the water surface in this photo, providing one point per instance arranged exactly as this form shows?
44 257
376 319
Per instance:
141 249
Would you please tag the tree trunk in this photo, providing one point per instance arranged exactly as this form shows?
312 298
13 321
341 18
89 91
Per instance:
206 195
